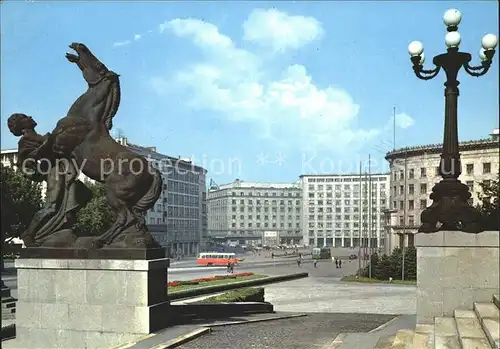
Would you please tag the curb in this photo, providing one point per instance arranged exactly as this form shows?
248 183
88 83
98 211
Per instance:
388 323
256 320
130 344
200 291
183 339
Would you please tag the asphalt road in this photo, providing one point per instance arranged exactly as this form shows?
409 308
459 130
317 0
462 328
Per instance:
314 331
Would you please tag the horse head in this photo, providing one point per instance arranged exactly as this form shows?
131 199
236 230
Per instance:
92 68
103 82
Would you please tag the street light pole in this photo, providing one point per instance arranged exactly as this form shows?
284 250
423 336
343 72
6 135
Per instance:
450 209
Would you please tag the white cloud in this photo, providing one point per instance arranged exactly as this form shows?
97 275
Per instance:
121 43
137 37
404 120
286 107
280 31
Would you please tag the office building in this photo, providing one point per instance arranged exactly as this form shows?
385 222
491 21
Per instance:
255 213
412 184
336 209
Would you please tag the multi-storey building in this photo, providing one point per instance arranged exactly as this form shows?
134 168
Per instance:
337 208
414 172
177 219
253 213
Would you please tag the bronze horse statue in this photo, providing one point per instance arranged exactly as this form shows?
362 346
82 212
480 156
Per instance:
131 184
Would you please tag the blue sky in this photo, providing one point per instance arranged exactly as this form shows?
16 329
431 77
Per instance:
261 91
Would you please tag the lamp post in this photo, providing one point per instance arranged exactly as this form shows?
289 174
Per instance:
450 209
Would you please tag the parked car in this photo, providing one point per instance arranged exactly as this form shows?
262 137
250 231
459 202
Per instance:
353 256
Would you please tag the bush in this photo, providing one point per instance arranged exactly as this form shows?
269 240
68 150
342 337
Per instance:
250 294
390 266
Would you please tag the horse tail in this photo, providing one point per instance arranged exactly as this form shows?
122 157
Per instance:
152 195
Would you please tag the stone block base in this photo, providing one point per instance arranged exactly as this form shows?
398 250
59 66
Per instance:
71 303
455 269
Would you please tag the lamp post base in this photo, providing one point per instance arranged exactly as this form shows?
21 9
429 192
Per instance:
450 209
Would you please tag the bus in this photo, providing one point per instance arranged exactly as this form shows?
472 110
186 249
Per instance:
321 253
216 258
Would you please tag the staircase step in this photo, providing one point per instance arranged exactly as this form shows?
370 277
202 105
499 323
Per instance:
470 333
489 317
423 340
496 300
446 342
445 327
424 328
475 343
464 314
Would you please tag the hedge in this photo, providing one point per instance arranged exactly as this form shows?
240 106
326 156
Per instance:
249 294
391 266
202 280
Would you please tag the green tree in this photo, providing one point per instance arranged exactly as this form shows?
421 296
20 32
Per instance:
21 198
97 216
489 207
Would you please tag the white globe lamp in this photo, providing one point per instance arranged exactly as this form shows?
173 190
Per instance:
482 55
422 59
489 42
452 17
452 39
415 48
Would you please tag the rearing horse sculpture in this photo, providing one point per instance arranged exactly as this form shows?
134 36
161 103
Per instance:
132 186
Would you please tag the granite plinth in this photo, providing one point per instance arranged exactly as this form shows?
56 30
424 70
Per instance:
454 270
102 253
89 303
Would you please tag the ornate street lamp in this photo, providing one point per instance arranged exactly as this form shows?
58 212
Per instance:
450 209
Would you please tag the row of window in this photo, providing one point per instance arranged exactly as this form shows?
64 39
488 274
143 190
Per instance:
345 194
338 232
265 209
346 202
266 217
469 170
265 225
345 187
347 179
266 202
346 225
265 194
345 217
411 189
411 204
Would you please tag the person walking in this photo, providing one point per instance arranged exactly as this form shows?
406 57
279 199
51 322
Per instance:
231 267
228 267
315 263
299 261
336 263
340 263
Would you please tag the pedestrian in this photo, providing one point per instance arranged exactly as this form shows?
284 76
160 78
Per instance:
315 263
298 262
228 267
340 263
336 263
300 255
231 267
272 255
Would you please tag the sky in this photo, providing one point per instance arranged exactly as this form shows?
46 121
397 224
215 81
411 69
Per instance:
259 91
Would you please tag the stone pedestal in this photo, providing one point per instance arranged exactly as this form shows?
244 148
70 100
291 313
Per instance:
89 303
455 269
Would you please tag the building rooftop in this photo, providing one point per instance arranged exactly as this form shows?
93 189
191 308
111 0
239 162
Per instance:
257 185
342 175
487 143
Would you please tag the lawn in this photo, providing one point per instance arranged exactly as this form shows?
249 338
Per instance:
215 282
366 280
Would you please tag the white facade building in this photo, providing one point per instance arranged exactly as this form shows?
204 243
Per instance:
251 213
480 163
336 207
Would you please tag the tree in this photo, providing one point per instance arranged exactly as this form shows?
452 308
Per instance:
21 198
490 209
97 216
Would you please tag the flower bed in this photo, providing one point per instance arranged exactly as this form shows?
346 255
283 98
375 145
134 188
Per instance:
209 279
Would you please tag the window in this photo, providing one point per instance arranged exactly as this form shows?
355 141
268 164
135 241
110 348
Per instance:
470 169
401 205
423 172
401 190
411 189
411 175
401 174
423 188
423 204
487 167
411 205
411 221
401 220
